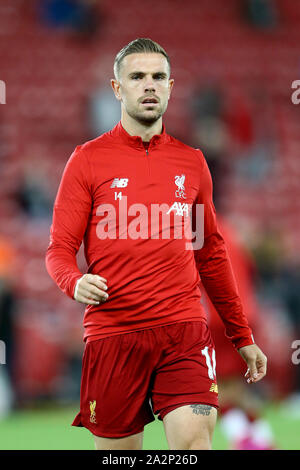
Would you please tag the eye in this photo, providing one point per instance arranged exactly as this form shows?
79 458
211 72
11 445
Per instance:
136 77
159 76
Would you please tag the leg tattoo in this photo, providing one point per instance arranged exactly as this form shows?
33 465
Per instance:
201 409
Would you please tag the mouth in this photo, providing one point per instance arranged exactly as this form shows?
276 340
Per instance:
149 101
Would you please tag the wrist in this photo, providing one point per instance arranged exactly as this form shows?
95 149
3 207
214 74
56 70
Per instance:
76 288
241 342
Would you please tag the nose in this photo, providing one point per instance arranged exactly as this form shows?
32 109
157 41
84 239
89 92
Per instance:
149 85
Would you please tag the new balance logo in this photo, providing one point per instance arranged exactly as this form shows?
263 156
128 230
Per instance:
214 388
119 183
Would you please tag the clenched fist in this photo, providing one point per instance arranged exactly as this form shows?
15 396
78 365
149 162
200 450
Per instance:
91 289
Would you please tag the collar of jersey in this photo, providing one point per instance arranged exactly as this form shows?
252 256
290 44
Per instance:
136 140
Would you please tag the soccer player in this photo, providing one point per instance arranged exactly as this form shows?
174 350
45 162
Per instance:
129 195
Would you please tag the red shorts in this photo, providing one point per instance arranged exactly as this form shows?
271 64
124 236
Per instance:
128 378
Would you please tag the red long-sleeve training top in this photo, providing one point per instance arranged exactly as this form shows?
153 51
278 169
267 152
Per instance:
110 189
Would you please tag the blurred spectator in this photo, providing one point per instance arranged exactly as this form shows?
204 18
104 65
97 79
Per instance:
241 406
103 109
249 116
79 16
210 132
68 383
235 132
207 102
279 282
239 120
261 13
291 275
7 310
34 193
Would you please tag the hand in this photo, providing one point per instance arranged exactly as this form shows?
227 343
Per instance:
256 361
91 289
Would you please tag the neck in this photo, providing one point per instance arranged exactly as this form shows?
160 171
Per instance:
146 132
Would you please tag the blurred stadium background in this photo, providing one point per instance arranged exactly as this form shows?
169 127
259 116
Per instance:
234 63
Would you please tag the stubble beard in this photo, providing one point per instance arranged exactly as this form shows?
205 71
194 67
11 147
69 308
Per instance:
145 117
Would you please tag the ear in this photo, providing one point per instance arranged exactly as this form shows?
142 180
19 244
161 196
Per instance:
116 88
171 83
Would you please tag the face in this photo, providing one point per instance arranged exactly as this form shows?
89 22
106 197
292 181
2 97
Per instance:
144 87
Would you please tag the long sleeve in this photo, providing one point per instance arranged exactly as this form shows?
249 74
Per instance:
71 212
215 270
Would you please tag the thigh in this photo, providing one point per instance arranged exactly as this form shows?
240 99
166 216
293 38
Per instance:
133 442
190 427
114 398
186 375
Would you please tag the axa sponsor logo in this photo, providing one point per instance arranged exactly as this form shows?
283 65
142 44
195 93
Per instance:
180 208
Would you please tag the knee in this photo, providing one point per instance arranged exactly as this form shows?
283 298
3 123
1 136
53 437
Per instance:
199 444
193 443
133 442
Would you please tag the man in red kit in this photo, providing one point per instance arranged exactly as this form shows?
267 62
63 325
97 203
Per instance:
148 349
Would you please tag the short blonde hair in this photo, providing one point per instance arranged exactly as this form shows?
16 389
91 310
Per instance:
140 45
